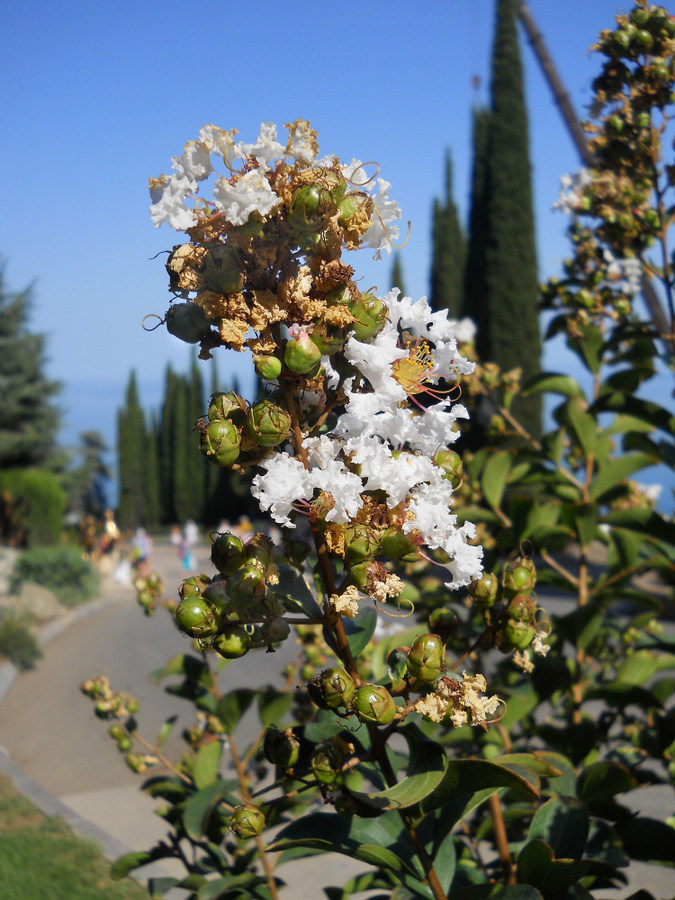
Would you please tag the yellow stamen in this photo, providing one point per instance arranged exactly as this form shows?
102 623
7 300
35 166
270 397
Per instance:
414 370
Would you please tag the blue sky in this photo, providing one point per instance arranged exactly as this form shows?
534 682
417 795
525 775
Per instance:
97 97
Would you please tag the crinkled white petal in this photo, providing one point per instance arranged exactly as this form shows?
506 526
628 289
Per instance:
283 481
195 162
222 142
301 143
266 147
382 231
168 195
251 193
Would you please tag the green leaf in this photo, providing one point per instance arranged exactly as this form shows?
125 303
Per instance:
589 346
273 705
207 763
425 771
497 892
583 425
165 730
293 588
231 707
616 470
586 522
553 383
243 885
199 807
647 839
563 824
360 630
466 777
493 479
538 867
128 862
158 887
603 780
638 668
189 667
565 783
649 412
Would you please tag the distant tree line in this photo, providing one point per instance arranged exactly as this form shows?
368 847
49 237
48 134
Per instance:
162 476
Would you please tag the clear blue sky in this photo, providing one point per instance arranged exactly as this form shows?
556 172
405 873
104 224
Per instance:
97 97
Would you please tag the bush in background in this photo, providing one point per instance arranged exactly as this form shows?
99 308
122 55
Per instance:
17 643
32 508
63 570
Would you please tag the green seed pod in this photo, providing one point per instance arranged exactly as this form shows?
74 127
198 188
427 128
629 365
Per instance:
246 586
522 608
374 704
484 590
193 587
197 618
341 295
327 761
426 658
520 577
328 339
301 354
221 442
452 465
268 423
154 582
443 622
517 635
188 322
349 206
133 705
275 630
345 804
332 689
370 314
255 633
134 761
228 405
364 573
227 553
267 367
116 732
259 549
233 642
222 270
247 821
361 543
396 544
281 748
124 743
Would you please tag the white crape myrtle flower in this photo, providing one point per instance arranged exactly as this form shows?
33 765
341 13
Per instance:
168 195
382 230
283 482
623 274
570 190
266 147
221 142
250 193
195 162
301 144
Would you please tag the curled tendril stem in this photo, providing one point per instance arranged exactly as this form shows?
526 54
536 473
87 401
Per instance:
392 615
370 180
152 316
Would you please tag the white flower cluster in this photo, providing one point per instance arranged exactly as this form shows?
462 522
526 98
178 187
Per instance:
571 187
387 440
623 275
245 188
462 702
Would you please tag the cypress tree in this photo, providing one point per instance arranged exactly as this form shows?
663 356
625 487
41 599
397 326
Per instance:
151 489
475 290
196 462
131 441
448 251
397 279
28 420
511 325
165 448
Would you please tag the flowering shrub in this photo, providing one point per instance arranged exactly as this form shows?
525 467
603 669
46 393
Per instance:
451 770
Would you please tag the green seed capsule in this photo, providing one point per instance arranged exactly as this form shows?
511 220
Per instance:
518 635
281 748
233 642
301 354
221 442
396 544
116 732
197 617
227 553
228 405
193 587
268 423
188 322
247 821
361 543
374 704
222 270
332 689
426 658
451 463
327 761
522 608
246 587
484 590
370 314
124 743
267 367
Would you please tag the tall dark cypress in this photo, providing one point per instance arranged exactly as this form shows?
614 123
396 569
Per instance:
397 279
512 323
165 448
183 500
196 463
448 251
151 480
475 289
131 439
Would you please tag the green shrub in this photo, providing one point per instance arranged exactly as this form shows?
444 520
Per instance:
63 570
17 643
36 504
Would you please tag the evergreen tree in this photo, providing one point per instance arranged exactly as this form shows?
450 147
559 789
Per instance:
131 455
86 481
165 448
511 325
448 251
397 279
475 290
183 499
153 507
28 420
196 463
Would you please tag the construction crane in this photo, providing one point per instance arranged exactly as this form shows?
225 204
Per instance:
578 136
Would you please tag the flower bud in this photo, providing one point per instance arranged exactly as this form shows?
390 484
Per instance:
426 658
374 704
282 748
133 705
301 354
188 322
267 367
370 314
268 423
197 617
227 553
451 463
221 442
247 821
361 543
233 642
134 761
484 590
124 743
332 689
116 732
327 761
520 577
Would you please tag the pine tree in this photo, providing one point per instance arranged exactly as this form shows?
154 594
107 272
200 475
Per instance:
448 251
28 420
131 455
397 279
511 325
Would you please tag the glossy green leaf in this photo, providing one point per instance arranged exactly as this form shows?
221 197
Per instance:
199 807
588 346
616 470
232 706
603 780
583 425
360 630
538 867
128 862
562 823
553 383
165 730
638 667
293 588
497 892
586 522
425 771
565 783
207 763
647 839
652 414
465 777
273 705
189 667
159 886
494 477
243 885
